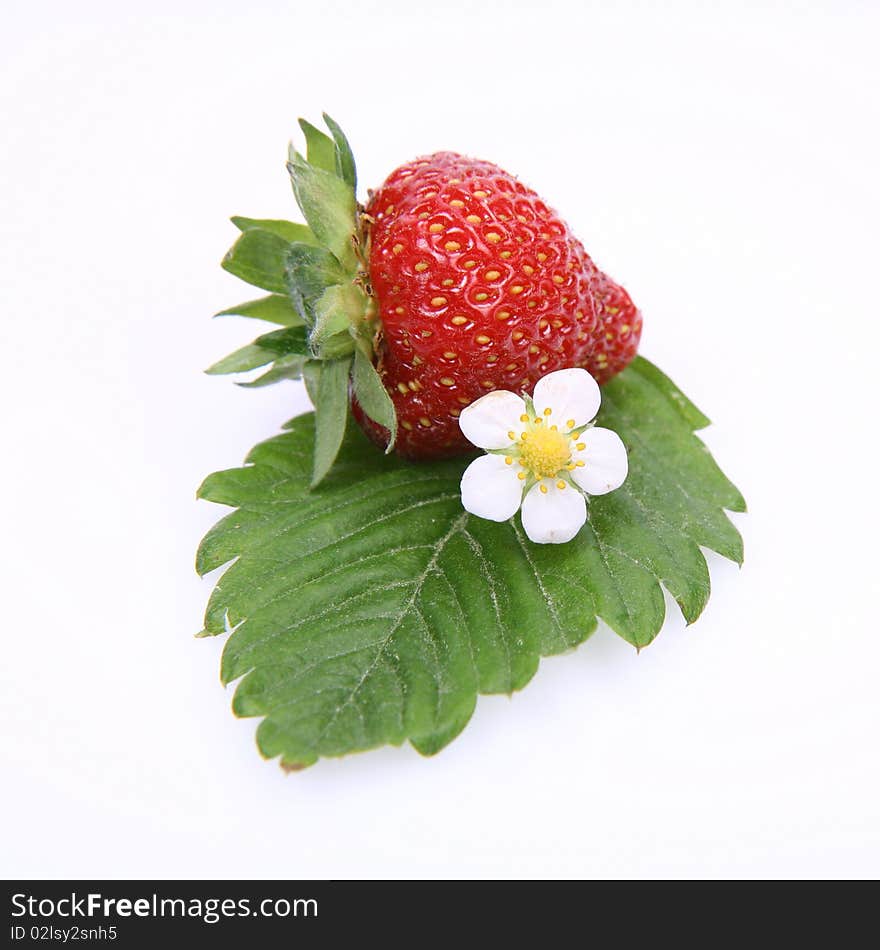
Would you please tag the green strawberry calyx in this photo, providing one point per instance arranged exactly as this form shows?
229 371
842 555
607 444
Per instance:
320 295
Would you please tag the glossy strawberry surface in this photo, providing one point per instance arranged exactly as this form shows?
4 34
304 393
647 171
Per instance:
479 286
618 330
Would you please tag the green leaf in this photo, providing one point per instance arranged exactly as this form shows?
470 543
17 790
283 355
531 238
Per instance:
320 150
331 314
309 272
373 397
287 367
329 207
290 340
260 258
344 158
375 610
312 379
289 230
338 311
248 357
276 308
331 416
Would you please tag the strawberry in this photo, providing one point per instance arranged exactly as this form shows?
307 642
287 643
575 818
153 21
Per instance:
618 330
479 286
455 280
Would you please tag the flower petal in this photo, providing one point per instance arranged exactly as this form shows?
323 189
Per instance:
554 516
571 394
488 421
491 489
605 463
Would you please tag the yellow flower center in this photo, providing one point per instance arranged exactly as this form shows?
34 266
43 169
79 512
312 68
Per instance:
544 450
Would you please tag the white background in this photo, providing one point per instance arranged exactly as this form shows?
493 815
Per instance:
722 164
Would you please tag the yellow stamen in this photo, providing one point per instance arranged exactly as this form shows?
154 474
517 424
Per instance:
545 452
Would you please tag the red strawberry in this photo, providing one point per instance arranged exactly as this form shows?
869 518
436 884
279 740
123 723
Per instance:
617 333
456 280
479 286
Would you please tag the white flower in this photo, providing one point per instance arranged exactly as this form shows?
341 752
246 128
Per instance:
543 453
